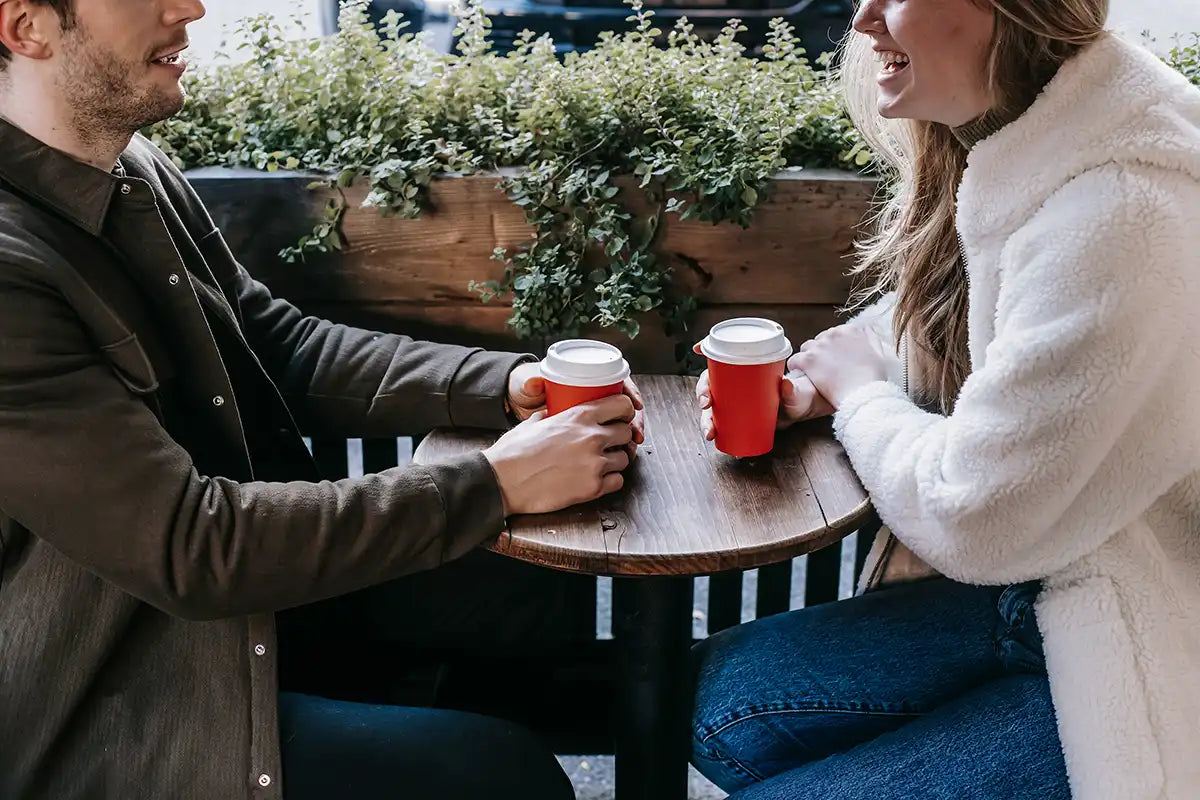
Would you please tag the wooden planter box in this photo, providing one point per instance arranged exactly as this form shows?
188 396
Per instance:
412 276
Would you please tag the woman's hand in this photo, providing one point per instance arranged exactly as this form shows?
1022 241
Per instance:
798 401
841 360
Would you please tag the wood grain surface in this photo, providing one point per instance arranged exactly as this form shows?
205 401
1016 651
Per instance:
795 250
686 508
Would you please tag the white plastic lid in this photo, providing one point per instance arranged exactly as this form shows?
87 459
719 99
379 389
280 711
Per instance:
746 341
584 362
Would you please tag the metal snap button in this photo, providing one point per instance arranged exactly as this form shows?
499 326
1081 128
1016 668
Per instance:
218 401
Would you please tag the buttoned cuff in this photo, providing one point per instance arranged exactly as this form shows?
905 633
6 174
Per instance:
480 388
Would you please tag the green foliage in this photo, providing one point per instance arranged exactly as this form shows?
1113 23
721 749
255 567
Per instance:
1185 57
699 127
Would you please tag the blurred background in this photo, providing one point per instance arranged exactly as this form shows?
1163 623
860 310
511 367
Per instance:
574 23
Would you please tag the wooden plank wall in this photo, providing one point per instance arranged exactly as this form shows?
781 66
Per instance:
413 275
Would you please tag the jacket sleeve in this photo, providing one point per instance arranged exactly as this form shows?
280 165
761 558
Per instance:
1082 412
345 381
87 467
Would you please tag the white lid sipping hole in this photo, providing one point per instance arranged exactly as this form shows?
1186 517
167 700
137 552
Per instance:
746 341
584 362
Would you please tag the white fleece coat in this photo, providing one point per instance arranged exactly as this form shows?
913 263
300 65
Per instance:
1073 453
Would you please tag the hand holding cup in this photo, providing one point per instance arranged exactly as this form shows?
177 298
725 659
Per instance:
550 462
548 385
740 393
799 400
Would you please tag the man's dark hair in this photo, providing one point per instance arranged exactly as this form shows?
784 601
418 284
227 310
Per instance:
66 15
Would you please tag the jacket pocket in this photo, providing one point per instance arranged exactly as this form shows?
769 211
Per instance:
133 366
224 268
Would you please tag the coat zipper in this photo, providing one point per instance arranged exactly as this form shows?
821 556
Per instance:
962 257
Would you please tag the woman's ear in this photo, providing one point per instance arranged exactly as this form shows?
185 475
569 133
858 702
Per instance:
24 28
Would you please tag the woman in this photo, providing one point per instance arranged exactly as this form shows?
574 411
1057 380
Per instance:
1042 248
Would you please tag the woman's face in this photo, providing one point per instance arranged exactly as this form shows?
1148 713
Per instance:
932 57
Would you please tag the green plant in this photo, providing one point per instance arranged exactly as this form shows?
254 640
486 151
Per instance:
1185 57
698 127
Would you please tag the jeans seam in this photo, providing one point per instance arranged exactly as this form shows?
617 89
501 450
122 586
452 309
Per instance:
813 709
717 754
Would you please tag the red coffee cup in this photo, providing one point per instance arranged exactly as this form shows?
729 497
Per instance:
747 357
580 370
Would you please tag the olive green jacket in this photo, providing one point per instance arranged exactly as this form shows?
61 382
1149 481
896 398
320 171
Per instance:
157 503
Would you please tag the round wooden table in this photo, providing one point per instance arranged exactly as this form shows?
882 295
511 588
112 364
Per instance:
686 510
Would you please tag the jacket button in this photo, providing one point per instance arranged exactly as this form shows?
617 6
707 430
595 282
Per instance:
260 650
126 188
264 780
173 280
218 401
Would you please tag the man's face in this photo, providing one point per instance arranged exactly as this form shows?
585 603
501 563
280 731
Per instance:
118 63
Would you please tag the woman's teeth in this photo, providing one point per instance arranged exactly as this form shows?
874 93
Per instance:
893 62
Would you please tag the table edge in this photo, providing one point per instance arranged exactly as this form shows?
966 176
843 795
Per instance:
705 563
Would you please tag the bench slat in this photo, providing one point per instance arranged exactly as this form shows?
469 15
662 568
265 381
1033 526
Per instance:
724 601
824 575
774 589
330 455
379 454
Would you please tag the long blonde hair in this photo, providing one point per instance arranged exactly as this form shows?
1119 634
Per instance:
915 249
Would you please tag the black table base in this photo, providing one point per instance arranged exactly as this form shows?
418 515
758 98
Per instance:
652 623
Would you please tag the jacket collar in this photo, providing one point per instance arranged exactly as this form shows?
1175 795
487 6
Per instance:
1114 102
69 187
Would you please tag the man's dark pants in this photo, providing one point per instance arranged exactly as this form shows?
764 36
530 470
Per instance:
382 643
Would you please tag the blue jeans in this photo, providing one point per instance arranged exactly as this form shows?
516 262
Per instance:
333 750
931 690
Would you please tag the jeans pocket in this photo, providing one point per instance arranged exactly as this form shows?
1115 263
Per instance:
1018 638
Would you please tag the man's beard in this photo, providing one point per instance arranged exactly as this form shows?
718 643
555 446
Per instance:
100 91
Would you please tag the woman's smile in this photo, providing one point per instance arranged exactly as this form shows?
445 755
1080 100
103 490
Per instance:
894 64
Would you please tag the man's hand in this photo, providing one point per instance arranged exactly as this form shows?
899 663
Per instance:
526 390
798 401
527 396
546 464
841 360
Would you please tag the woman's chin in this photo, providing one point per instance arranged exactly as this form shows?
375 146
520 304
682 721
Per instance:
888 108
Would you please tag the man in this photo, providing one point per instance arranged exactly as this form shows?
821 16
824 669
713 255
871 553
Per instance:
156 501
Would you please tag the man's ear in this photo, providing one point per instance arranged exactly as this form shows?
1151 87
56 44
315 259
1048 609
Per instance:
24 27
